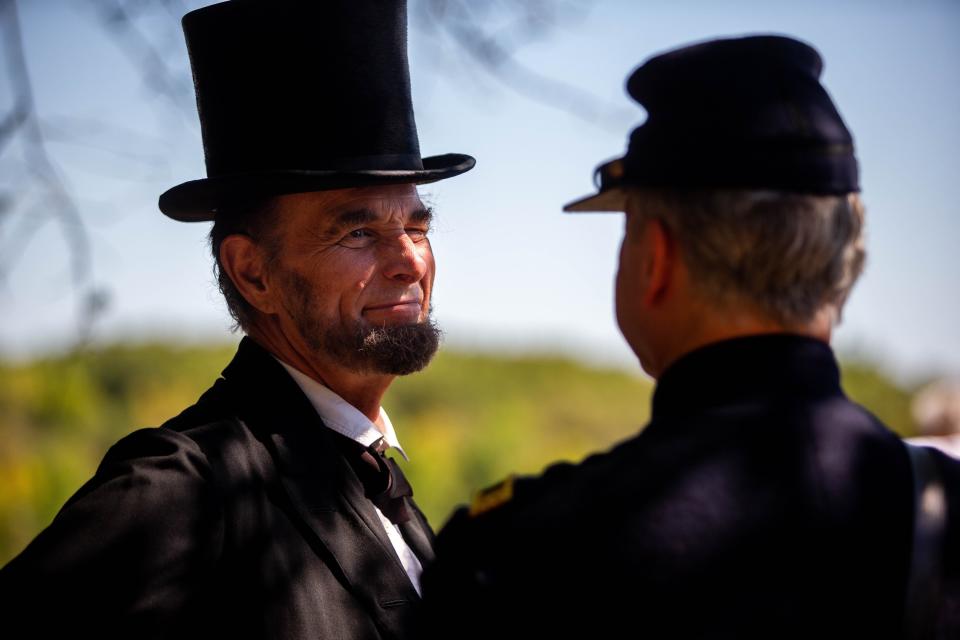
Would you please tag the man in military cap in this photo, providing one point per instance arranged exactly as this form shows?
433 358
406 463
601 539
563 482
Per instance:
268 509
759 502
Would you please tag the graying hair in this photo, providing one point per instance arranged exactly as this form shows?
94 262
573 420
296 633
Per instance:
788 254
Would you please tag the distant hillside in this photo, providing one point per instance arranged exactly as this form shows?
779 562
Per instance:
466 421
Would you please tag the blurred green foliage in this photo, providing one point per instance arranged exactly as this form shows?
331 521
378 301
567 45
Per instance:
467 421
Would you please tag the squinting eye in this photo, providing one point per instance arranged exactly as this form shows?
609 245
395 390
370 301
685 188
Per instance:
417 235
358 238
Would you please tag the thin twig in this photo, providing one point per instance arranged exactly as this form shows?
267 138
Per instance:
41 164
122 28
496 55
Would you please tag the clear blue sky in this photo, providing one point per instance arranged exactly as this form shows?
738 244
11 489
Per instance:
512 270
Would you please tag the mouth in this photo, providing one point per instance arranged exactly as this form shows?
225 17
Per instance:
393 305
395 311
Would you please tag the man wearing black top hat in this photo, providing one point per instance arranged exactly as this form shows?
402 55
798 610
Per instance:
759 502
268 509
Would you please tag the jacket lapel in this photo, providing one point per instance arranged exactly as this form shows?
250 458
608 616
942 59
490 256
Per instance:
322 488
329 497
418 534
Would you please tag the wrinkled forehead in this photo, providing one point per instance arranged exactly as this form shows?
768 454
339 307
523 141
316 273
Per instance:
388 197
381 194
333 209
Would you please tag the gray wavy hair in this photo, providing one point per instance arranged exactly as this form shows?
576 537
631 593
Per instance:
789 254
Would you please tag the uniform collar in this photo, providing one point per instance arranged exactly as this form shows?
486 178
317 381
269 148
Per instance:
341 416
749 369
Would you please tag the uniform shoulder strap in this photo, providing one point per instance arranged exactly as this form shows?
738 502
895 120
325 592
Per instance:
929 526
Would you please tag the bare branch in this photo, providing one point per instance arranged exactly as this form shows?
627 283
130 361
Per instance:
118 19
494 51
30 220
12 123
39 161
103 136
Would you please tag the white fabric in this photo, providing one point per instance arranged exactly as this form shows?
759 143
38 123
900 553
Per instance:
345 419
949 444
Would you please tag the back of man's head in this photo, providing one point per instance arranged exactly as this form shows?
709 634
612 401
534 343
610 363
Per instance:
784 256
740 190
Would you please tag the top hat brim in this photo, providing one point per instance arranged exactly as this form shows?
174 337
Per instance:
199 200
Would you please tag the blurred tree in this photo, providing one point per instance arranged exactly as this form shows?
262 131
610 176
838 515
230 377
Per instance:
467 420
866 384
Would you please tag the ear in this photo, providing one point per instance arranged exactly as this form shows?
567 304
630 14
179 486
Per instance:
245 264
660 251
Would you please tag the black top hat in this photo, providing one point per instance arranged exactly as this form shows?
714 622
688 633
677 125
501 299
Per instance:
301 95
735 113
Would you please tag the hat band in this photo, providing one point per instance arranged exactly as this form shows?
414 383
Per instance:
824 169
380 162
385 162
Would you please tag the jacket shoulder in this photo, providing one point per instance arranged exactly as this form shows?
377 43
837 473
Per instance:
136 540
518 514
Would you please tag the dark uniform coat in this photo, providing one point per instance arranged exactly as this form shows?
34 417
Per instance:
759 502
237 519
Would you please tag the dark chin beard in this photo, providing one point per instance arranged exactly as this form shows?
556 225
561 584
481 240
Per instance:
397 350
392 350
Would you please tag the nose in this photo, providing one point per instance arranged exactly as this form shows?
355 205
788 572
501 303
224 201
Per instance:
406 261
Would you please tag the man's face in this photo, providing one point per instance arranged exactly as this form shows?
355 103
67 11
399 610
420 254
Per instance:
631 286
628 274
354 271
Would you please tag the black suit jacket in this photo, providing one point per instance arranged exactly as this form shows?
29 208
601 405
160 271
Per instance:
238 518
759 502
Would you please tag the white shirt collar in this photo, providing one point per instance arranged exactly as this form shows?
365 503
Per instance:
341 416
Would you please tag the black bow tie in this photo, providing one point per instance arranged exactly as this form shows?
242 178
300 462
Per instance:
383 481
385 485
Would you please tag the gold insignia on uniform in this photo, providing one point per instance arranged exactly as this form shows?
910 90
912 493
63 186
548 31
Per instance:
492 497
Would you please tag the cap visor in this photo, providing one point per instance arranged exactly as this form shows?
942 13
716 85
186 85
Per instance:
609 200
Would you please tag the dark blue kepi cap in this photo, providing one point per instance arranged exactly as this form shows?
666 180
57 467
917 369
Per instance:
734 113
